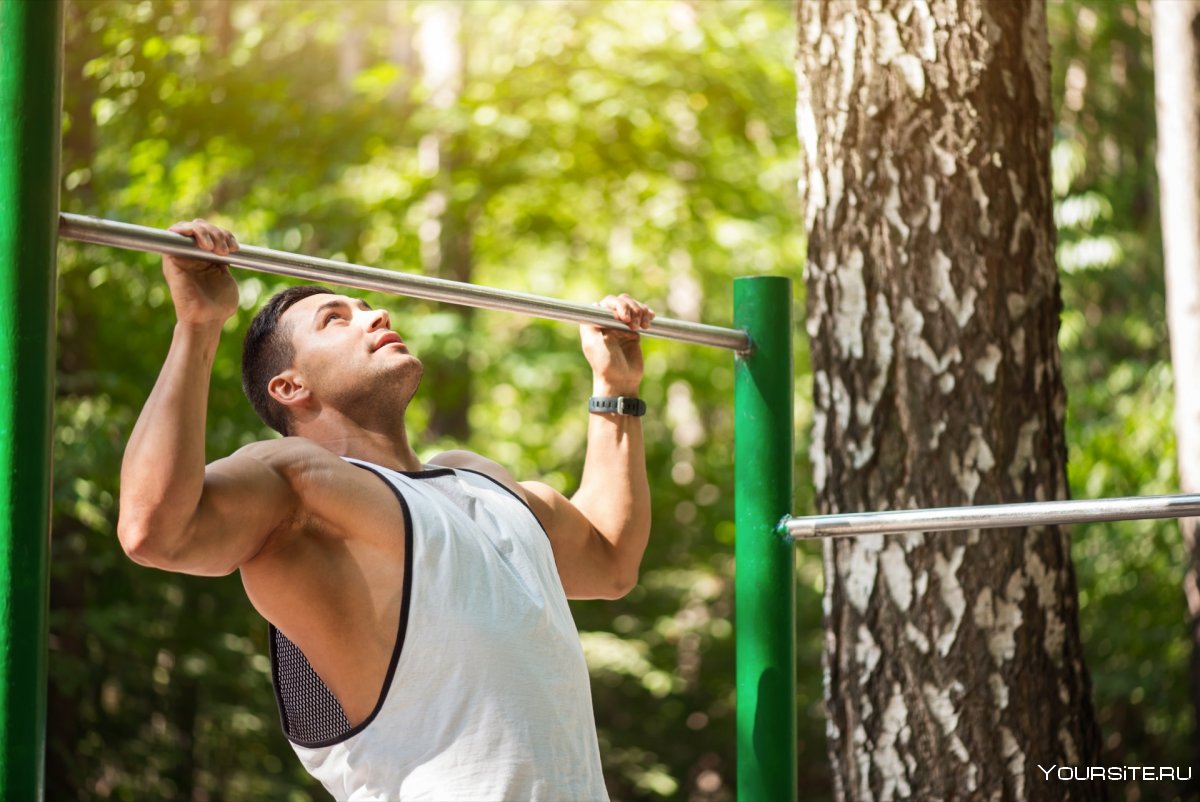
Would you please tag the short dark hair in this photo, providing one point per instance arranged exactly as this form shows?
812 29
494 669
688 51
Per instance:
267 351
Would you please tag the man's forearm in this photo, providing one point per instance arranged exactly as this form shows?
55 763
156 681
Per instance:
614 493
162 473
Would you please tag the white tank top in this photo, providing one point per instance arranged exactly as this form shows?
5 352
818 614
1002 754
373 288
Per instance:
487 694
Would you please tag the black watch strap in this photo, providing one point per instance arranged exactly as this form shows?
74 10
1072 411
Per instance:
617 405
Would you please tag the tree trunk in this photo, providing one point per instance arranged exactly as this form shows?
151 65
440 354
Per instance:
446 242
351 55
219 15
1177 93
953 662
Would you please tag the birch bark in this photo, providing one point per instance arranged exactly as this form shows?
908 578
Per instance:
953 662
1177 100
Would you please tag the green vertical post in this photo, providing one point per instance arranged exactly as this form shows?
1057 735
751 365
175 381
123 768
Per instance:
765 590
30 101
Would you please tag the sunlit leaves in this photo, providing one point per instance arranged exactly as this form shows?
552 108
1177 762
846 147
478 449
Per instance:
598 147
594 148
1117 372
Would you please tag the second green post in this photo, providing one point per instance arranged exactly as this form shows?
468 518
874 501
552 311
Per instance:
765 592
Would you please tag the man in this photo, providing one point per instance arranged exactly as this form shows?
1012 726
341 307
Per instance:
421 642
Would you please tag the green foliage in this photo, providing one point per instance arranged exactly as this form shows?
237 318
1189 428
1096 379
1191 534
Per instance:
592 148
1116 366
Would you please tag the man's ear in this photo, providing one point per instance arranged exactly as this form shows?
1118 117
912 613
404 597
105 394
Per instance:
288 388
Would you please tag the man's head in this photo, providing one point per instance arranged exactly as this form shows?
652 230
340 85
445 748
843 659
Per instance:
268 351
309 347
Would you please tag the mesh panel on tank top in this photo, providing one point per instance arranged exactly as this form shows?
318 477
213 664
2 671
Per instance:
311 712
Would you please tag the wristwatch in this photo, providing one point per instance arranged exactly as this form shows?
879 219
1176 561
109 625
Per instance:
618 405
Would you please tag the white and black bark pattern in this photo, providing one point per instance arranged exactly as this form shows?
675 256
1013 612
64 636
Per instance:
953 661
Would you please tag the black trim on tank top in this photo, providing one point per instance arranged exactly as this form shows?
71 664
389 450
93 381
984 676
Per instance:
512 493
405 600
424 473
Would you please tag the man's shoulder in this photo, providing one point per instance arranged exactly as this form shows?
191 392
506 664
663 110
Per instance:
461 458
283 447
287 455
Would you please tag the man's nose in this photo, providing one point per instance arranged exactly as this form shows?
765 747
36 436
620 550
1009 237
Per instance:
379 320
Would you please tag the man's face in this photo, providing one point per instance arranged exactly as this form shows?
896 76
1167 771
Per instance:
347 353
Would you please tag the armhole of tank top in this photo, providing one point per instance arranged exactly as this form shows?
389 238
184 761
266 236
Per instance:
402 630
510 491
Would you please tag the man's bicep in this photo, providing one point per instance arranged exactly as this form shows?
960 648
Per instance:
245 500
584 558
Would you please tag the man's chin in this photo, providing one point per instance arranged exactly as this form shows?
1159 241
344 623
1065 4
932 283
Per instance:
406 363
399 379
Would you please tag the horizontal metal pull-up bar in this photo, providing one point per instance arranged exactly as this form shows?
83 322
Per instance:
155 240
991 516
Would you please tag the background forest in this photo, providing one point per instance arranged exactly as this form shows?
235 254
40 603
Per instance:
570 149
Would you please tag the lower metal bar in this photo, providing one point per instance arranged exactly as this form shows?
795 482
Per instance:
991 516
140 238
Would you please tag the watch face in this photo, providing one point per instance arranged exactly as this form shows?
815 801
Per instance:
630 406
